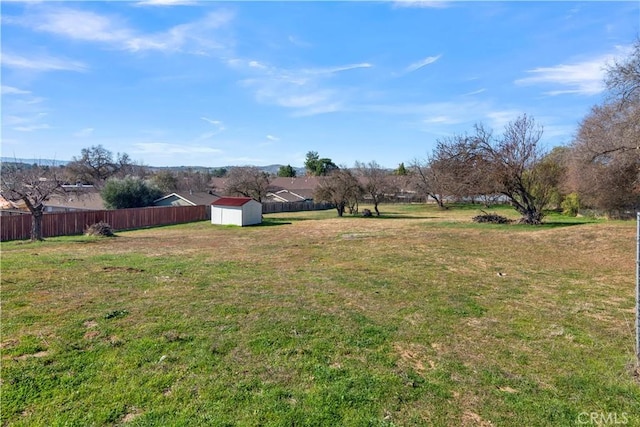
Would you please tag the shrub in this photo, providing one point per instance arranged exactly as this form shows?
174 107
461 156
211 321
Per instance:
100 229
129 192
571 205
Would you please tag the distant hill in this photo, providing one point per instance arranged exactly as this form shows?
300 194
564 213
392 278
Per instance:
44 162
272 169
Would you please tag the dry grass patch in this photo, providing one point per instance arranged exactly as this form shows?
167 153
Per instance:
419 317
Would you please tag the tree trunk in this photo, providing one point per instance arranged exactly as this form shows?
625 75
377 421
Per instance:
36 225
531 217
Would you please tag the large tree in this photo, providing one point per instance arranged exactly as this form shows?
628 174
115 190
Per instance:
248 181
462 170
341 188
605 170
510 165
286 171
33 185
96 164
317 166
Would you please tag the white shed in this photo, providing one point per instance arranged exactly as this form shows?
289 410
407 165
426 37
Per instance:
236 211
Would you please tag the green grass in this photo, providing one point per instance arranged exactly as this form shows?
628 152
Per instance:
419 317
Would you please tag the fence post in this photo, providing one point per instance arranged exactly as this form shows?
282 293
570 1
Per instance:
638 289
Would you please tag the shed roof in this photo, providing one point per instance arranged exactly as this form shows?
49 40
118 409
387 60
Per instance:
232 201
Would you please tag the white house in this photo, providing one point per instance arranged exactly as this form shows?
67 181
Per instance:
236 211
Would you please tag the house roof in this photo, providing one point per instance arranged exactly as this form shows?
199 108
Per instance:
285 196
232 201
83 199
195 198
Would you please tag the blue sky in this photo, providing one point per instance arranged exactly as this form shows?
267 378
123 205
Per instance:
256 83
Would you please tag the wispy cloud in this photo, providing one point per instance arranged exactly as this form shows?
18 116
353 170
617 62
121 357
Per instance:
298 42
216 123
42 63
303 90
166 3
84 133
422 63
583 78
10 90
422 4
31 128
475 92
273 138
76 24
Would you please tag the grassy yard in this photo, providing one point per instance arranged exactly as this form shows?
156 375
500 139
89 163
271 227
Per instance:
419 317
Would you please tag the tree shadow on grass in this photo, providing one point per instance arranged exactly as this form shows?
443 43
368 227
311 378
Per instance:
273 223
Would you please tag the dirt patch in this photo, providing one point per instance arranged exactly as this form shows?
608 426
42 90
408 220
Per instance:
90 324
91 335
29 356
131 416
414 356
472 419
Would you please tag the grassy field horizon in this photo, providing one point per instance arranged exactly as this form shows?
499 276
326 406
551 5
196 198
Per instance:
419 317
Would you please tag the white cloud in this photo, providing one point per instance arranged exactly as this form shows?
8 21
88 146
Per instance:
193 37
31 128
302 90
213 122
273 138
338 69
475 92
84 133
9 90
80 25
584 78
166 3
422 63
441 4
219 127
500 118
298 42
43 63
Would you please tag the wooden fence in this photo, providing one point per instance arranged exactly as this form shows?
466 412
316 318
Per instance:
17 227
277 207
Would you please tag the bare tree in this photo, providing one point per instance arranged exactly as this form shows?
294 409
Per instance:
376 182
33 185
194 180
510 164
605 169
96 164
248 181
462 170
341 188
166 181
426 181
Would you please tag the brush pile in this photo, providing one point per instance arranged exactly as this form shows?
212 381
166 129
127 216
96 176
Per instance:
491 218
99 229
